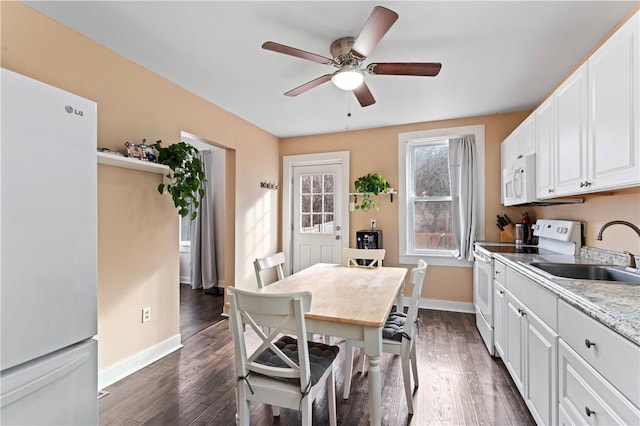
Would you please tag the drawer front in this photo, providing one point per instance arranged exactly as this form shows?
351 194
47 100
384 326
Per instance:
613 356
532 295
586 397
499 271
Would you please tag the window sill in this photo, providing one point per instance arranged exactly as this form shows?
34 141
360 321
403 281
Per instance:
435 261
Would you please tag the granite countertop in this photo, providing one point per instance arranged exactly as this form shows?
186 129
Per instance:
615 305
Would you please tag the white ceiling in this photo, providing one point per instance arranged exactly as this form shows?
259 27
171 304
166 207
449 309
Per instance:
497 56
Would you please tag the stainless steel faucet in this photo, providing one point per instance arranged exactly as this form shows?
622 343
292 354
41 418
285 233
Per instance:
632 258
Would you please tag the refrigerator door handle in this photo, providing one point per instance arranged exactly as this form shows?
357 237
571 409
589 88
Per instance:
41 381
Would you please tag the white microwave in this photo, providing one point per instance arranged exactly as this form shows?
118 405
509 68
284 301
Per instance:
519 182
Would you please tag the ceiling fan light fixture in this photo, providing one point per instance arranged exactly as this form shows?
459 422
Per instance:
348 78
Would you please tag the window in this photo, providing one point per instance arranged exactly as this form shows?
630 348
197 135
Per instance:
316 203
426 198
430 197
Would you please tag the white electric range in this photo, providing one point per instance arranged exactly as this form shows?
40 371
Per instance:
554 237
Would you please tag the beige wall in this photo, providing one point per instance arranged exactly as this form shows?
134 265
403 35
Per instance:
376 150
595 212
138 228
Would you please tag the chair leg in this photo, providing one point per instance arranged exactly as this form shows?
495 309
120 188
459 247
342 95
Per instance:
306 411
244 410
331 395
406 377
348 368
414 366
361 362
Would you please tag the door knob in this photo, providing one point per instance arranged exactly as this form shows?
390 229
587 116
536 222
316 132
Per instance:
337 237
338 228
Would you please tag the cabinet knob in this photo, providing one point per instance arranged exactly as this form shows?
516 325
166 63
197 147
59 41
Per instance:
501 292
587 183
520 156
588 343
550 191
497 272
522 312
582 185
589 412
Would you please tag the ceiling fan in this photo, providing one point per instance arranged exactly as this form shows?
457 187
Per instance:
349 54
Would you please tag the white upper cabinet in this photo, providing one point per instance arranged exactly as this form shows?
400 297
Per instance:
614 110
519 143
571 134
545 143
587 134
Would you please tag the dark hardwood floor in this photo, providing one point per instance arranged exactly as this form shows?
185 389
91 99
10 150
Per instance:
460 383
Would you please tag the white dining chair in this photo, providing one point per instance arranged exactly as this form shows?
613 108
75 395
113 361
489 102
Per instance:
275 261
398 338
283 371
371 257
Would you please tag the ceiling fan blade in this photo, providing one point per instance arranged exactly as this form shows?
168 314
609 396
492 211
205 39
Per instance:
364 95
425 69
309 85
379 22
292 51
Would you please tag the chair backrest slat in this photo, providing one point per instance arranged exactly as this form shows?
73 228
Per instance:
417 279
273 261
373 257
283 311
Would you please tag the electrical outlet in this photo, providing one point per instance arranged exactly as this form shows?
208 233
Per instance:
373 224
352 207
146 314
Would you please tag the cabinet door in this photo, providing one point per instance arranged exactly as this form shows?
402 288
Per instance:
514 353
614 110
571 136
499 308
545 140
541 345
527 136
509 150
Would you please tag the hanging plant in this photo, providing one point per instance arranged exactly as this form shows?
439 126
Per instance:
186 178
371 184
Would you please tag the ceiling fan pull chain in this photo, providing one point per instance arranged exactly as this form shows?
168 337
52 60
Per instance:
348 99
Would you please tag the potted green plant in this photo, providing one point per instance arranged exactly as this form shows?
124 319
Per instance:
185 182
369 185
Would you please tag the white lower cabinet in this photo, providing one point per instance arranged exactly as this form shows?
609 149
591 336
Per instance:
514 351
569 368
499 310
530 345
540 369
587 398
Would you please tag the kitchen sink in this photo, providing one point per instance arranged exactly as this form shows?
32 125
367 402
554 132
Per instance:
588 271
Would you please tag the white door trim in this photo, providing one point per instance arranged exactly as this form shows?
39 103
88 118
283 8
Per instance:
291 161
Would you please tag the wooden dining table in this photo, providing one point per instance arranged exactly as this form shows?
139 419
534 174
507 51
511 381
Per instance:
352 303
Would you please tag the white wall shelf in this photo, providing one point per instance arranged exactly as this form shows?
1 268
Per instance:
355 194
130 163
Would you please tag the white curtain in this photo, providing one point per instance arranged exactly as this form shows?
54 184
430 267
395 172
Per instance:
462 173
204 273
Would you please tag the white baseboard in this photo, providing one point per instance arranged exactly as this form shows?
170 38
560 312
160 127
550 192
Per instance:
444 305
138 361
185 280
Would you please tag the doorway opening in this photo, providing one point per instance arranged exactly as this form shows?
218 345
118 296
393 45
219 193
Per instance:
202 246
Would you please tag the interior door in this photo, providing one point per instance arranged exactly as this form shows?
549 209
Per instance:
316 212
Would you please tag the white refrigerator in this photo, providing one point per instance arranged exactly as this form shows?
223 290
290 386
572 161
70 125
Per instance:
48 255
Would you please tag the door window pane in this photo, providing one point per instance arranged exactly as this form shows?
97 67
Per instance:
317 203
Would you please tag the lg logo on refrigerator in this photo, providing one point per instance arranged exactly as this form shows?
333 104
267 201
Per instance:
72 110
